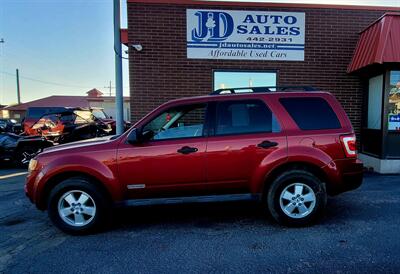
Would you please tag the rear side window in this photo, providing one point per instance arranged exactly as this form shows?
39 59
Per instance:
311 113
240 117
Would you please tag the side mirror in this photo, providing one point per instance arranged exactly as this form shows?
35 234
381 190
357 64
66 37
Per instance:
136 136
133 137
147 135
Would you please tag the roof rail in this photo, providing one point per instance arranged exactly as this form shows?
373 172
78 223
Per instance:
262 89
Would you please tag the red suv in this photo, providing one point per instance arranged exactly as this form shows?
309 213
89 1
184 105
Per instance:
288 149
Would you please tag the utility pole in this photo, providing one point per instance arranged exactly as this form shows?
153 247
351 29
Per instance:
18 90
119 100
1 67
110 87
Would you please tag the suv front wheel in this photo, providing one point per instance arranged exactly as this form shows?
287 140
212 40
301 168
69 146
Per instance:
77 206
296 198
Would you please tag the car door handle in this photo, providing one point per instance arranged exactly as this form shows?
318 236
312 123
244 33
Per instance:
267 144
187 150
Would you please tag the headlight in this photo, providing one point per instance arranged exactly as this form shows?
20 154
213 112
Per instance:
32 165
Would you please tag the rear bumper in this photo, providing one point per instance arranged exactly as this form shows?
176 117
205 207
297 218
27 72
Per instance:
344 175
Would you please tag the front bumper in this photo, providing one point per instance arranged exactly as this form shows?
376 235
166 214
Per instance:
30 185
344 175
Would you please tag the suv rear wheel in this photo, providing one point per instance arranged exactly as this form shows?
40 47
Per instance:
77 206
296 198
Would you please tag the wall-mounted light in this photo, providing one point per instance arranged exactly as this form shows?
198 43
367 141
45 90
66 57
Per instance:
137 47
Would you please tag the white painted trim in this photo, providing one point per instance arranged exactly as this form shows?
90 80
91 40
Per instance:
383 166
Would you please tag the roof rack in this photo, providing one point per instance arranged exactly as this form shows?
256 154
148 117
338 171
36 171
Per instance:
262 89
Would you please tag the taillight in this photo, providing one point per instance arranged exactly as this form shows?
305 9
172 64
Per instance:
349 145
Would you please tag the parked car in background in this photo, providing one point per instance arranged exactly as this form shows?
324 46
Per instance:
34 114
19 150
69 125
288 149
56 126
10 125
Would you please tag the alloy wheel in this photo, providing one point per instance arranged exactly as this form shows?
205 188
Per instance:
76 208
297 200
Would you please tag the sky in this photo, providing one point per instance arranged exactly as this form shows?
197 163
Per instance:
61 47
65 47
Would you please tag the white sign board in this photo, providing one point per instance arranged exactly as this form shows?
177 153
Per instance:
245 35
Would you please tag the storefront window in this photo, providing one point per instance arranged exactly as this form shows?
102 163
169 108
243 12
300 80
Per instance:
375 87
394 101
235 79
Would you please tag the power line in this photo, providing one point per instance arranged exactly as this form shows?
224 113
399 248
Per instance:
3 82
50 83
45 82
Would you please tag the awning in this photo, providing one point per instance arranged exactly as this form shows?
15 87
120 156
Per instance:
379 43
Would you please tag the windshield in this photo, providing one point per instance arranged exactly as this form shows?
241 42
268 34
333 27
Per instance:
99 113
83 116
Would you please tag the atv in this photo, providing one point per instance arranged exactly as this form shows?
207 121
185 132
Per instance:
20 149
67 125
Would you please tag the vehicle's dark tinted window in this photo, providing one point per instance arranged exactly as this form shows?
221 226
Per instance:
237 117
311 113
37 112
67 118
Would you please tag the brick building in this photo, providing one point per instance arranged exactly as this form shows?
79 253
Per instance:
311 45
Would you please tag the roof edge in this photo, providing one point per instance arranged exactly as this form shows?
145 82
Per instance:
379 19
265 4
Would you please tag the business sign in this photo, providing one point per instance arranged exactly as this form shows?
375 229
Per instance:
245 35
394 122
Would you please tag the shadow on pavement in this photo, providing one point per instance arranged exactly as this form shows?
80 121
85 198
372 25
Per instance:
213 215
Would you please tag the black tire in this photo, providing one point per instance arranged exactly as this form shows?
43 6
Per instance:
78 185
287 181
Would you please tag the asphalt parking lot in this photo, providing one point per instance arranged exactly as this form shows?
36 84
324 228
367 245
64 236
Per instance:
359 234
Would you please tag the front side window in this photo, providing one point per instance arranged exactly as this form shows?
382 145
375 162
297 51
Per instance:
180 122
241 117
